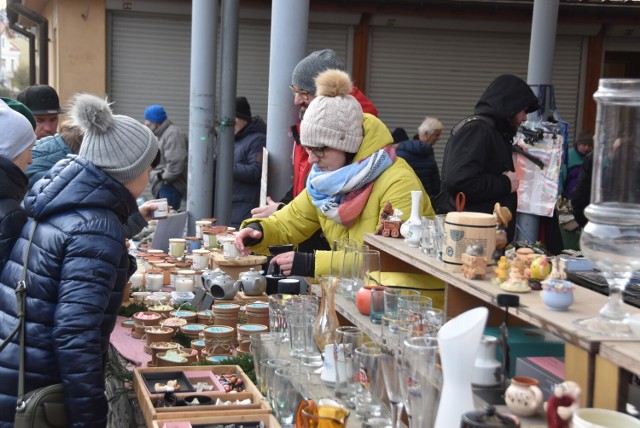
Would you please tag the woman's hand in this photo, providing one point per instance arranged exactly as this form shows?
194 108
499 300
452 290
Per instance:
246 234
285 261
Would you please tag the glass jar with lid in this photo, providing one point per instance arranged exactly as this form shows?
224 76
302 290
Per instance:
185 280
154 279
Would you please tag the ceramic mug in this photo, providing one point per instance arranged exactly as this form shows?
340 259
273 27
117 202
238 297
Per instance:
163 208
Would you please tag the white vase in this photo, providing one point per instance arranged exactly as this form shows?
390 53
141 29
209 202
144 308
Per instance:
487 368
412 228
459 340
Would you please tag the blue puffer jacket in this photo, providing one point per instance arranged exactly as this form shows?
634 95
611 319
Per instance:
76 272
45 154
247 170
13 186
421 158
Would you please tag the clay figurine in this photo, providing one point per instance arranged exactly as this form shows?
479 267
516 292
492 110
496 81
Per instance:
502 271
516 283
387 212
474 264
561 405
391 224
557 269
523 259
503 217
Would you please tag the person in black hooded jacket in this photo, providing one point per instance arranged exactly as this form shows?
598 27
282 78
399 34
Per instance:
478 157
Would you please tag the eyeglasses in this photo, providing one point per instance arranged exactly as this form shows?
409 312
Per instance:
316 151
302 94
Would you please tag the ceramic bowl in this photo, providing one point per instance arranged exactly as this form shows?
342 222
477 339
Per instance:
557 294
158 334
602 418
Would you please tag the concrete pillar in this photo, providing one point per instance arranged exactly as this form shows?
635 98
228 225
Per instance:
204 34
289 25
541 51
226 133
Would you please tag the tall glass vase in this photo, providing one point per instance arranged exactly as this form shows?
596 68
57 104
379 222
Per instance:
326 323
611 239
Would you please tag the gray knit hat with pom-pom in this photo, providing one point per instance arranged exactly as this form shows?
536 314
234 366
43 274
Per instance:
334 118
119 145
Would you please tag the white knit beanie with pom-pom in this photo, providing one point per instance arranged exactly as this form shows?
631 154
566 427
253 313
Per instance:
119 145
334 118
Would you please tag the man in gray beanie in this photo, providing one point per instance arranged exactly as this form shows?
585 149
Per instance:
303 87
78 262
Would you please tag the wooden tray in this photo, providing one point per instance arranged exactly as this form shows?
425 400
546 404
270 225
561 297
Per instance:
234 267
269 421
258 406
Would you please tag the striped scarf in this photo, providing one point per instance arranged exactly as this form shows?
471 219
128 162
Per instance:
342 194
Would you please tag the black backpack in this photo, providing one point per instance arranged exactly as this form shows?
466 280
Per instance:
444 202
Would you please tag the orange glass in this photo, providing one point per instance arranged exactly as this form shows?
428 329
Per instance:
324 417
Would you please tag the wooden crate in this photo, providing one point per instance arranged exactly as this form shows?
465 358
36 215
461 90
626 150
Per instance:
269 421
146 399
250 299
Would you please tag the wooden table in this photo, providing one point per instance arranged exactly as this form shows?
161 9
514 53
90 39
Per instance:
615 363
581 346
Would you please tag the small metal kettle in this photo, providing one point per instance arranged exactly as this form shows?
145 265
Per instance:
209 275
253 283
488 418
224 287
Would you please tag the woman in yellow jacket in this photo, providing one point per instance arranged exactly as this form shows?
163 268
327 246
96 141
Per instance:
355 173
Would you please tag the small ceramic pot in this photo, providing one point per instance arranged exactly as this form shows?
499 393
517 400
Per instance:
557 294
523 397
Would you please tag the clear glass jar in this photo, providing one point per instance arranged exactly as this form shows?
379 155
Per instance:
185 280
176 247
154 279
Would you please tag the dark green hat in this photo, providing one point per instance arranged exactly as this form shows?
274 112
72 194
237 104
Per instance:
22 109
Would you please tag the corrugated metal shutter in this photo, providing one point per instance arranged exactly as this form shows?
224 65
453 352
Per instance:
419 72
150 62
253 56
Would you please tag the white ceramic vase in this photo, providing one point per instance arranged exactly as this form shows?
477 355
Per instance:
411 230
459 340
487 368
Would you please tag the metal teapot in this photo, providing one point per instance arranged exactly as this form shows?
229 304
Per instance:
209 275
224 287
252 282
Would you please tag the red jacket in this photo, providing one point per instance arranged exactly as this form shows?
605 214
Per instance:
301 166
